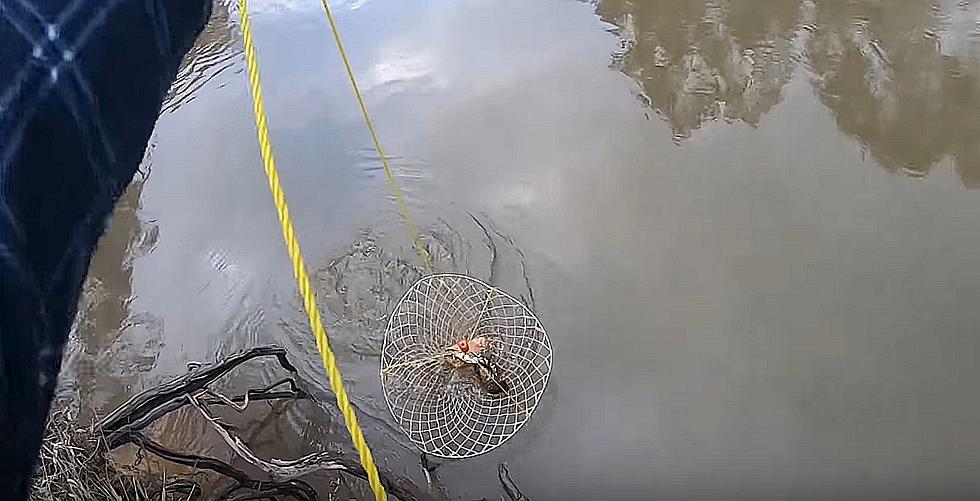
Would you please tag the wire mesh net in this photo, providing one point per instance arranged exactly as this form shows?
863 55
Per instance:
463 365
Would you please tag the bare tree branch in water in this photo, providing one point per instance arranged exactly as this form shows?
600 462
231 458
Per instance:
148 406
289 469
126 425
243 481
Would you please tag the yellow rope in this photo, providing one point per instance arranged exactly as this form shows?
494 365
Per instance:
299 266
392 185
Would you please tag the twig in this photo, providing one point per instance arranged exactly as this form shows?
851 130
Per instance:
241 402
288 469
296 488
126 425
277 469
510 488
152 404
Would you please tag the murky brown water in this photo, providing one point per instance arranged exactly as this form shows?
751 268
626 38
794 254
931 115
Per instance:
750 227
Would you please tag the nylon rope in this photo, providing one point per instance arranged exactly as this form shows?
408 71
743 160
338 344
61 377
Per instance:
392 185
299 265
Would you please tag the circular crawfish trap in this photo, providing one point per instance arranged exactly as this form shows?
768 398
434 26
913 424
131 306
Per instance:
463 365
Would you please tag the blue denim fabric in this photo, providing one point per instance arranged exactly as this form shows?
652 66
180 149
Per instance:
81 84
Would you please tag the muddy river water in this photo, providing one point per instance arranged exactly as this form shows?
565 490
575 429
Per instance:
752 230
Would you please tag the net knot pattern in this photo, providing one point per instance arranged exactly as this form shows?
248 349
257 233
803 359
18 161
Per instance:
463 365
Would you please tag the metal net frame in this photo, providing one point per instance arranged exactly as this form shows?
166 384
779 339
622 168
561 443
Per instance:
442 412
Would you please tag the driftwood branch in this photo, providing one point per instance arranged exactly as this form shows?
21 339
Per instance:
279 469
148 406
127 423
510 488
295 488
